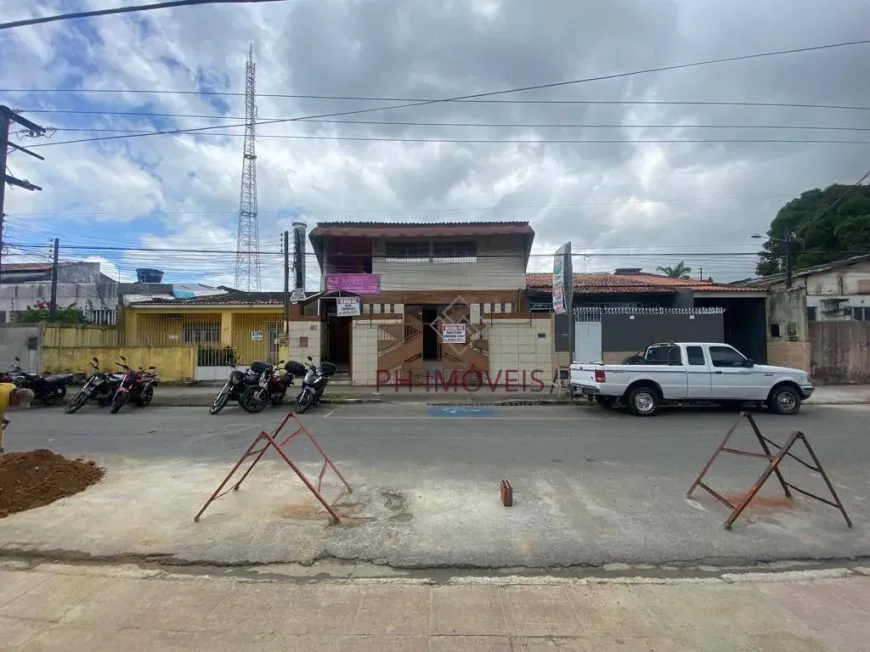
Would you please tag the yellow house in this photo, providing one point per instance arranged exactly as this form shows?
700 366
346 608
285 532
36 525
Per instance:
197 339
233 328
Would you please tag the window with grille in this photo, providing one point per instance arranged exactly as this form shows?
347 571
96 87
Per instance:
405 251
202 333
455 252
861 314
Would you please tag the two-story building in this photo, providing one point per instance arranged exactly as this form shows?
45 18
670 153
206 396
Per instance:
410 300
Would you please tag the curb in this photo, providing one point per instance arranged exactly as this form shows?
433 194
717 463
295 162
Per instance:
205 401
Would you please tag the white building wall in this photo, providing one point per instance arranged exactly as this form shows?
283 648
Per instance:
97 300
364 350
834 293
500 265
304 340
521 345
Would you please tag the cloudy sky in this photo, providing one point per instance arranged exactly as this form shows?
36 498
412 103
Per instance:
638 204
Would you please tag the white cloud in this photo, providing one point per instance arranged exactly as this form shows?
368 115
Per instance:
643 201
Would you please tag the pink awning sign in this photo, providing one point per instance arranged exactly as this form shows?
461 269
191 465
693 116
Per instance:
356 283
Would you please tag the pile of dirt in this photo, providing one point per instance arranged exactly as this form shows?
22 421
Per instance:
40 477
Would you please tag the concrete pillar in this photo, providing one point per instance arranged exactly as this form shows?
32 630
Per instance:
226 328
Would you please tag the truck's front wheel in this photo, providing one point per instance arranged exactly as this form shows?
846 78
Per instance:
643 401
784 400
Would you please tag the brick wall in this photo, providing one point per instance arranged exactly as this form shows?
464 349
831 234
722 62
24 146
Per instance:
789 354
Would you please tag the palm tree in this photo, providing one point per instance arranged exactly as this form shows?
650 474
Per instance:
680 270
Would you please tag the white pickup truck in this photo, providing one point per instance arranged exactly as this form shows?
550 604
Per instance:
689 372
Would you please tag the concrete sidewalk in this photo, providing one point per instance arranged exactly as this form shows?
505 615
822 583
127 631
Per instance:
201 396
105 608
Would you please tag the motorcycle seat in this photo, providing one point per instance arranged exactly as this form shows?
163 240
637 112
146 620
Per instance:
59 379
259 367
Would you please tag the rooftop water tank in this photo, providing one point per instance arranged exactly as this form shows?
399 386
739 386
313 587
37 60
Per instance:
146 275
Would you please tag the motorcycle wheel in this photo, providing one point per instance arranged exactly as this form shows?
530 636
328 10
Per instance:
147 395
304 402
118 401
54 396
77 402
220 400
254 399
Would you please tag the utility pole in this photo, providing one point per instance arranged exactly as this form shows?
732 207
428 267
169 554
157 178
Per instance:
286 246
52 313
787 255
7 117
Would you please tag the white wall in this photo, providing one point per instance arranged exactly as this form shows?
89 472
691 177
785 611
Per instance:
500 265
517 345
298 331
18 296
364 350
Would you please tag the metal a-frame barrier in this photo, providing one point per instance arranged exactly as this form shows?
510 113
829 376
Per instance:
773 460
266 441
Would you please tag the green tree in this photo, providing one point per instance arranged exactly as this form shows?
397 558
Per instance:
827 225
680 270
42 312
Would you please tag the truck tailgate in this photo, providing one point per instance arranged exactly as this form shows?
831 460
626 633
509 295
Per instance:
584 374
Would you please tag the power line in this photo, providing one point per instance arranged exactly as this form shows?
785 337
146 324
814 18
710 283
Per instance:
405 211
523 125
350 98
704 254
479 141
621 75
124 10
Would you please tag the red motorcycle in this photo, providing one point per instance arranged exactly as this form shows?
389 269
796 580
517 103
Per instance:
136 385
272 388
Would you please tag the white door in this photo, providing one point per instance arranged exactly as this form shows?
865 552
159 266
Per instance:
700 379
587 341
731 378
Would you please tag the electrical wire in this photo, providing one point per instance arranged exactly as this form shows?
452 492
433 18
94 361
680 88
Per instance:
484 141
123 10
406 211
585 80
786 105
358 256
513 126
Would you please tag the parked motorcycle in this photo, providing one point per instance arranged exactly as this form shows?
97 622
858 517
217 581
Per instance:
272 389
99 387
136 385
48 390
313 384
238 383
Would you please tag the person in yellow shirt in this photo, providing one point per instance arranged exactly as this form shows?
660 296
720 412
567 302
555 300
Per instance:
11 395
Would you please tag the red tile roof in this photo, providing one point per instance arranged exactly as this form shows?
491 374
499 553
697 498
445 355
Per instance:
27 267
419 229
600 283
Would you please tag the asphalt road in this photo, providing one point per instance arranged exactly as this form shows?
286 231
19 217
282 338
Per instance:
504 437
591 487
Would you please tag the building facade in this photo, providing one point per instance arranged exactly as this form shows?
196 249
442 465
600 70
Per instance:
79 284
740 311
821 322
414 303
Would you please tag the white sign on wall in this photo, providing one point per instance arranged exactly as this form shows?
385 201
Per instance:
256 336
453 334
347 306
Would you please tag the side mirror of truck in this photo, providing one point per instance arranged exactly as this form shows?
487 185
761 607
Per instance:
749 362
